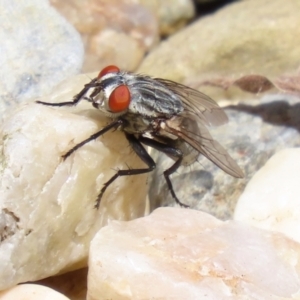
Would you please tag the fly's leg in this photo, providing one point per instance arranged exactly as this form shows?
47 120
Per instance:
94 136
76 98
173 152
143 155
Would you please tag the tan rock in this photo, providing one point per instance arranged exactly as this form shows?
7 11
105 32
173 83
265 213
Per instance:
271 198
31 292
112 47
185 254
134 27
47 215
246 37
114 31
172 14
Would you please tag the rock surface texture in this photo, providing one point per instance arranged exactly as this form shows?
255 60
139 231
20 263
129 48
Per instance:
184 254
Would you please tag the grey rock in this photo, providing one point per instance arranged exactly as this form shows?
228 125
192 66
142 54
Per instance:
257 129
39 49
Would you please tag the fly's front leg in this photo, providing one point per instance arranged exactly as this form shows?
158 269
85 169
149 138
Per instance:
143 155
76 98
94 136
173 152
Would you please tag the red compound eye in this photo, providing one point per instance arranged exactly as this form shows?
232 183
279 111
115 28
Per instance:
119 99
108 69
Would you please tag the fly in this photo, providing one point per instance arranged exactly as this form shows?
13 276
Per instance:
165 115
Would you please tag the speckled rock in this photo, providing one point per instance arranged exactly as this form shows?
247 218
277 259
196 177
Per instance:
257 129
39 49
225 44
176 254
47 214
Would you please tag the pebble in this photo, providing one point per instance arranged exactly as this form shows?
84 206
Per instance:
41 49
31 292
271 198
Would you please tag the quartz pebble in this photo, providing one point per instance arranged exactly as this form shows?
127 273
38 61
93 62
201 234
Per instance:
31 292
185 254
47 214
271 198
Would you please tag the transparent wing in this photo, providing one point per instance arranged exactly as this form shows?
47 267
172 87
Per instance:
197 103
202 141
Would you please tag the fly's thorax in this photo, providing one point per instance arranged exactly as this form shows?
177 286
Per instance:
151 98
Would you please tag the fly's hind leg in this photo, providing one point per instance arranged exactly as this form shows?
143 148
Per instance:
173 152
143 155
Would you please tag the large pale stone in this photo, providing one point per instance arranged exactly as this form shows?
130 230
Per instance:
185 254
31 292
47 215
271 198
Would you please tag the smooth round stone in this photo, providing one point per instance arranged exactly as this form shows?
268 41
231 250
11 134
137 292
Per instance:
31 292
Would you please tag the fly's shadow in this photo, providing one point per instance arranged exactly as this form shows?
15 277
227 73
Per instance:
184 183
279 113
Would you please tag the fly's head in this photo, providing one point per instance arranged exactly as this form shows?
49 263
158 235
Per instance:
110 94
